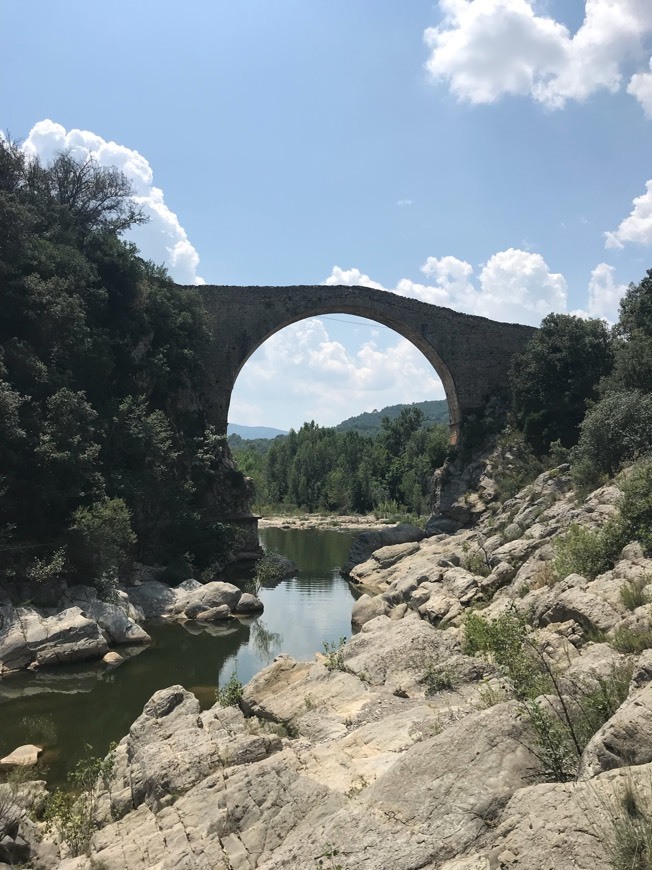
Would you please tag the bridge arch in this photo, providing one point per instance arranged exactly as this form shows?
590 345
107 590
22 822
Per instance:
470 354
416 340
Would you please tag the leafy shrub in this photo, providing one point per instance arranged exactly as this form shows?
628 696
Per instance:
580 551
635 508
230 694
437 679
72 813
631 640
504 640
269 570
47 569
101 538
334 655
633 594
615 432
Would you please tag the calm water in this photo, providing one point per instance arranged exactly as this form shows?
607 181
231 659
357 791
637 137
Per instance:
66 708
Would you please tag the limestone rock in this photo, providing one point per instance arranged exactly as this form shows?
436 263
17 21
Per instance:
366 543
642 674
367 608
248 603
115 622
582 606
623 740
467 773
22 756
555 825
154 598
26 636
212 614
172 745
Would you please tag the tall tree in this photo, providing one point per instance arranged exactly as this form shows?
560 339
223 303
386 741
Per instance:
556 376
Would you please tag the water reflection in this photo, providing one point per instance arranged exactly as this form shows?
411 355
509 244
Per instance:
64 709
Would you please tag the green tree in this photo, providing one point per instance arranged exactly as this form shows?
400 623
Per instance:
556 376
614 432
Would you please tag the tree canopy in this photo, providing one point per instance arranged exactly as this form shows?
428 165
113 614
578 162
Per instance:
100 426
556 376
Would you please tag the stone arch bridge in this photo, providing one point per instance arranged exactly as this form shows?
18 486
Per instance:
470 354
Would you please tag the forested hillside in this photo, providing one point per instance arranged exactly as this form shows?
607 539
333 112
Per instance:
103 453
320 468
370 422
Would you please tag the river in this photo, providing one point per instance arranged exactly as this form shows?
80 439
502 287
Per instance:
65 708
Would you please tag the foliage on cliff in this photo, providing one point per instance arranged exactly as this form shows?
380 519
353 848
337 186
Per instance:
103 453
583 386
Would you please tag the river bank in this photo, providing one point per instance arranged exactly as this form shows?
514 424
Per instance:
353 523
408 747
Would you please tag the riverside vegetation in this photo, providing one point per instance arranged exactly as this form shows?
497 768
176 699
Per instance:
105 454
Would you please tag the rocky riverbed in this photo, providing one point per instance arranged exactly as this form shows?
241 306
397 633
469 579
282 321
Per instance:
80 626
354 523
401 749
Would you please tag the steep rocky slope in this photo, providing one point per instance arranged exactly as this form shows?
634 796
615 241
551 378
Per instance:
408 748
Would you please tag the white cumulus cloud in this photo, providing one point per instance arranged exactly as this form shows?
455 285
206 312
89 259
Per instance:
640 86
605 293
351 278
163 239
309 375
514 286
637 226
486 49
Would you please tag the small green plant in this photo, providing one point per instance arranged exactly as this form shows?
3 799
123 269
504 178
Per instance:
437 679
475 561
310 704
230 694
334 655
504 641
72 812
357 787
580 551
633 594
632 640
327 858
628 833
492 695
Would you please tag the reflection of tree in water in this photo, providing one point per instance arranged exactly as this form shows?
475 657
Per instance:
264 642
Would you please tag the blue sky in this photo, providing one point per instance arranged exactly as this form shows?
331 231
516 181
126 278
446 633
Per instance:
490 155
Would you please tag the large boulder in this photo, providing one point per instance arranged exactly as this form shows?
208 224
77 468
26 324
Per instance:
173 745
27 637
623 740
368 542
190 600
570 824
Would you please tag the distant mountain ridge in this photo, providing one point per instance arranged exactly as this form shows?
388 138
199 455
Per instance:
250 433
369 423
